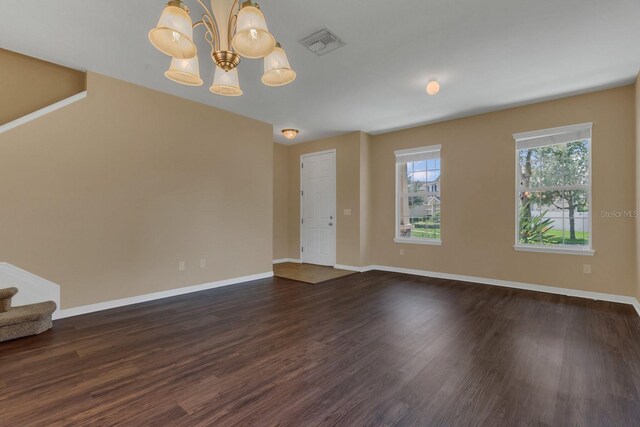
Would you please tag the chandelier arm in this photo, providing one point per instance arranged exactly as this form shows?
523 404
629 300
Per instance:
233 18
208 33
232 29
206 9
213 30
213 25
210 40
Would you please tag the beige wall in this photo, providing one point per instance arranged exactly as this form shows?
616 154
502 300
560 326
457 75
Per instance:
637 184
366 199
478 190
106 196
32 84
280 201
348 195
353 181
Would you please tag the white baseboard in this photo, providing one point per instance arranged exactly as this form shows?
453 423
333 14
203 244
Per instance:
352 268
517 285
283 260
76 311
636 305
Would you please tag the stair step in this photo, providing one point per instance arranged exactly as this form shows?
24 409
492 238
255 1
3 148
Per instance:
26 320
5 298
27 313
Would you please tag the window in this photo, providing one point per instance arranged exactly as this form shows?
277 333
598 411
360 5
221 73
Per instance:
418 200
553 190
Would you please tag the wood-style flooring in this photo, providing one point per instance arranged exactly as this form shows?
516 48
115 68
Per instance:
369 349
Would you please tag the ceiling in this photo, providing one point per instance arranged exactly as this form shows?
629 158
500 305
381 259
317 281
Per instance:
487 55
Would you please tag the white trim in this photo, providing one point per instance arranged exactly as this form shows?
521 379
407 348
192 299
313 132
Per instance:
318 153
70 312
77 311
550 135
636 305
399 161
418 241
419 150
352 268
46 110
283 260
534 134
335 202
561 249
556 188
516 285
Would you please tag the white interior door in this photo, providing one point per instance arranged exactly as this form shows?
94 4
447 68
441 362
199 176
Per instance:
318 208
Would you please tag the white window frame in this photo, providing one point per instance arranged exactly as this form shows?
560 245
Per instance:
547 137
398 156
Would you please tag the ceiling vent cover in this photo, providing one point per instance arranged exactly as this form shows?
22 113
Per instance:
322 42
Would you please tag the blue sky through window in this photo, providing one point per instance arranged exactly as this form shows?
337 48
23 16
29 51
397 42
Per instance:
424 171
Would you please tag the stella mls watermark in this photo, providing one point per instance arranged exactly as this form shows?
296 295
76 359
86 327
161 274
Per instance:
619 213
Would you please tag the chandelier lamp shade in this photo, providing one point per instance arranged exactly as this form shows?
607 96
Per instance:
185 71
226 83
252 39
173 35
277 71
233 29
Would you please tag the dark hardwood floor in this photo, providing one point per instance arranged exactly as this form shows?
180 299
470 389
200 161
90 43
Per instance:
369 349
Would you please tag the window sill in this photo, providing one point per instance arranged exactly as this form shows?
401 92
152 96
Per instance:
552 250
432 242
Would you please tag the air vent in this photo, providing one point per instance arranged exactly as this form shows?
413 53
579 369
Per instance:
322 42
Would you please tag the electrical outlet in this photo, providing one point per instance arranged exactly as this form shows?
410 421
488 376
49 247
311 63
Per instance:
203 263
586 268
401 252
347 212
182 266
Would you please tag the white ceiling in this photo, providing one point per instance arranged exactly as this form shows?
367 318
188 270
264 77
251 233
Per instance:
487 54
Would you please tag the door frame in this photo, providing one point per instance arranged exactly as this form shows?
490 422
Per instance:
335 202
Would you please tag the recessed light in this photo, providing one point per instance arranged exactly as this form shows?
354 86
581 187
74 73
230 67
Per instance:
433 87
290 133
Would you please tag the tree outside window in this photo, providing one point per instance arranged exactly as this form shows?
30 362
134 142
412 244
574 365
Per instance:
554 189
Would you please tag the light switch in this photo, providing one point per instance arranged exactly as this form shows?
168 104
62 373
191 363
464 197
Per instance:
586 268
347 212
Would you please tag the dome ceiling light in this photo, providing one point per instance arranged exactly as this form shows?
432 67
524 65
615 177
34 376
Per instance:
290 133
233 30
433 87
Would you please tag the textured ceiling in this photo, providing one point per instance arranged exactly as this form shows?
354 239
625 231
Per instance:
487 54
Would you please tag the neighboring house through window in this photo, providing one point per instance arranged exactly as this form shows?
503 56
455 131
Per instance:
553 190
418 201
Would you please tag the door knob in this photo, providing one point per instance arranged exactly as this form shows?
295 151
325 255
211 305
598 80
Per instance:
330 224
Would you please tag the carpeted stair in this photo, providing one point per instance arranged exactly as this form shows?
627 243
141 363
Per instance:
17 322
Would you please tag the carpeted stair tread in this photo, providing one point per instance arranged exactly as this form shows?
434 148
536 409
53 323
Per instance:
5 298
28 313
8 292
25 320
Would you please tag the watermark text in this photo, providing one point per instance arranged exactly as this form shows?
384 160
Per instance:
619 213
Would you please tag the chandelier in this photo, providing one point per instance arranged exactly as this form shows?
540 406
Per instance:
233 30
